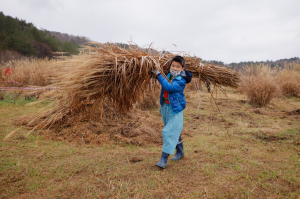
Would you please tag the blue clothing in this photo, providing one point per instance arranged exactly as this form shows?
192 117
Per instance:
175 90
173 124
172 114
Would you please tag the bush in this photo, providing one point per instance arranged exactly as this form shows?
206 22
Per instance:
43 50
289 80
259 85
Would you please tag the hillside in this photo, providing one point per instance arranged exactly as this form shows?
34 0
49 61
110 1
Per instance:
64 37
23 37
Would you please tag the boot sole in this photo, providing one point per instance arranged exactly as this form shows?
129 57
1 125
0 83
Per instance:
177 159
160 166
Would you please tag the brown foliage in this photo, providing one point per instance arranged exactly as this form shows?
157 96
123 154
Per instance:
289 81
258 83
43 50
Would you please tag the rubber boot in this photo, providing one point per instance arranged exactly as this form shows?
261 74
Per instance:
179 152
163 161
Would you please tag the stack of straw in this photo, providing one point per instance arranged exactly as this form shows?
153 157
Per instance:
119 78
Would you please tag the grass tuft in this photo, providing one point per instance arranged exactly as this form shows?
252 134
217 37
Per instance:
259 85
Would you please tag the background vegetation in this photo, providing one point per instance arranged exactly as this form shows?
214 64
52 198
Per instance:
24 38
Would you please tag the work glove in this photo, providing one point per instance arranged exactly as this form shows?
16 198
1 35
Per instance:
157 73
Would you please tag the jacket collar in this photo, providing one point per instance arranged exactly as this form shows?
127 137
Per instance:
178 77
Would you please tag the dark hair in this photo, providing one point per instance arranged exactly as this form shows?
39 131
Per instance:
179 59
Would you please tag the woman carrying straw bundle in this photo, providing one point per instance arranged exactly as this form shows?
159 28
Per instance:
173 103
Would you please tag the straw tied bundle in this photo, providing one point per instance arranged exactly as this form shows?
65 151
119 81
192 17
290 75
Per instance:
119 78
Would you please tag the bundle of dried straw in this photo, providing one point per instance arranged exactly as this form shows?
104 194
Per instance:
119 78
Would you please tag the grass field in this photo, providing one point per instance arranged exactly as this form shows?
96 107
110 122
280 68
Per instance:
258 156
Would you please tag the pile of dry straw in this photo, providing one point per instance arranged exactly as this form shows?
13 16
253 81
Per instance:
118 79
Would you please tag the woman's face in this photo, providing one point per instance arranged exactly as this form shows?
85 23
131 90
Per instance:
176 66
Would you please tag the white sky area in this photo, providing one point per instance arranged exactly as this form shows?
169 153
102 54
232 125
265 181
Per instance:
224 30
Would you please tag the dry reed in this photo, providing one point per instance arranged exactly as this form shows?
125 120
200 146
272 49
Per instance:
119 78
39 72
289 80
259 85
33 72
8 55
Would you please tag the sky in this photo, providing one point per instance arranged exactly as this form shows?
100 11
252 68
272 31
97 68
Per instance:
223 30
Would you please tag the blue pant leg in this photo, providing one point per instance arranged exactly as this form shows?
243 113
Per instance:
162 111
172 130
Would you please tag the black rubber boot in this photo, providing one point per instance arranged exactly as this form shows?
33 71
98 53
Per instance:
163 161
179 152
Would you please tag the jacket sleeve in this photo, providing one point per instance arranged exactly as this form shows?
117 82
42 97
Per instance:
166 85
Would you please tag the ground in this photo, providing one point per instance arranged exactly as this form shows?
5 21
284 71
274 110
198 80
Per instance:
238 152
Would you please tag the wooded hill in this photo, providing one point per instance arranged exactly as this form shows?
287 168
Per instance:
279 63
20 36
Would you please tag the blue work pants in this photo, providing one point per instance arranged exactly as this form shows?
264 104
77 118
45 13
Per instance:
173 124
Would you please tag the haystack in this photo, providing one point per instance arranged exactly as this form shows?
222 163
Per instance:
115 78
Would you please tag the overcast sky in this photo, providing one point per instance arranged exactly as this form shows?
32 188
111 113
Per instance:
224 30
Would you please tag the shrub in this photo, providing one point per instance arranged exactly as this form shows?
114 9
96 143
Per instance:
259 85
43 50
289 80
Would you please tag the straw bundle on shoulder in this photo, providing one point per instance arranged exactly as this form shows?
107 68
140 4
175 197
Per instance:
118 78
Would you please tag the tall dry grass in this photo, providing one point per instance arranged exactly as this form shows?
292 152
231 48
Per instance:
8 55
261 84
258 83
289 80
38 72
33 72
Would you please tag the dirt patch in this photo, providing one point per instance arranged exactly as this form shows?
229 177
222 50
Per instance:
21 137
25 121
136 159
295 112
257 111
12 178
242 101
269 137
206 118
241 114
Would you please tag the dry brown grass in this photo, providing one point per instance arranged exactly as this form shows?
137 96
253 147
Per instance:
261 83
8 55
258 83
39 72
119 79
34 72
289 80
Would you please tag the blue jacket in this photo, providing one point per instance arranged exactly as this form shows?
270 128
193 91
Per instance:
176 95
